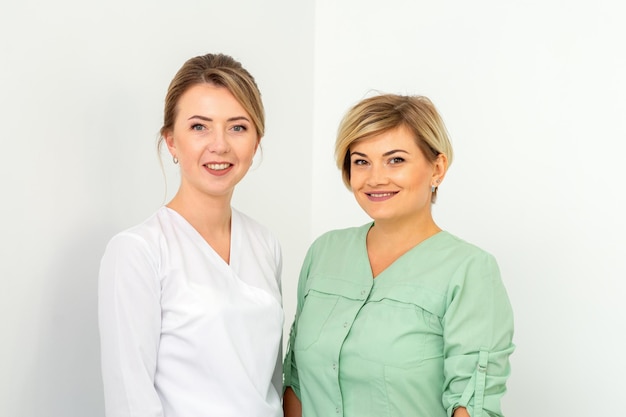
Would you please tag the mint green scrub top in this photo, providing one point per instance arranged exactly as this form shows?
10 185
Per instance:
431 333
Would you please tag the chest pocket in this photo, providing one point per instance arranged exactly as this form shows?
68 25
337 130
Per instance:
400 325
326 300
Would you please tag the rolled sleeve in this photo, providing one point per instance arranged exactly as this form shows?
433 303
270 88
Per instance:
290 368
478 332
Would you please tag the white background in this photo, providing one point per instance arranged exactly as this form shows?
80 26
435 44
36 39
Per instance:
533 94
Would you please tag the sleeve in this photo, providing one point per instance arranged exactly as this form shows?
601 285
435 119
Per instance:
290 367
129 316
277 378
478 332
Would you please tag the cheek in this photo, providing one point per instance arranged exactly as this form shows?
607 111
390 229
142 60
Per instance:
420 179
253 149
355 185
247 150
357 178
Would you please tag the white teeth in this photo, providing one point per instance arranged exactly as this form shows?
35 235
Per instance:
381 195
217 167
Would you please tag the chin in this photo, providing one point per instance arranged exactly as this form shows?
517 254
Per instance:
377 216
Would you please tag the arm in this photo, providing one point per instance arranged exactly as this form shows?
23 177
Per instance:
292 407
478 331
129 316
461 412
291 404
277 377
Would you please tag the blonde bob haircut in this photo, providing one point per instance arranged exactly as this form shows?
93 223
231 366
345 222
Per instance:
379 114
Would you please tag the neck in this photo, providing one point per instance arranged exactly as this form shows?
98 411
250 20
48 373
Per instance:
387 240
403 232
209 215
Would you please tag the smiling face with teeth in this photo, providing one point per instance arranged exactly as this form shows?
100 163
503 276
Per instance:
213 139
391 178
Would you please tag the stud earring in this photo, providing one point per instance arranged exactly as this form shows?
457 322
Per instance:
433 188
175 159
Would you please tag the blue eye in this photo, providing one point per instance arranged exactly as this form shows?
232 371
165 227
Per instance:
197 127
240 128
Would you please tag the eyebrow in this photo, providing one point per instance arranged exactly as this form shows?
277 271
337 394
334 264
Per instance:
208 119
385 154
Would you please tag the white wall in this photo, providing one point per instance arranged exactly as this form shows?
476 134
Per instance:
82 87
533 95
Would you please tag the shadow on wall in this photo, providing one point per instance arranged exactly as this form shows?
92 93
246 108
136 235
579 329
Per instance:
64 378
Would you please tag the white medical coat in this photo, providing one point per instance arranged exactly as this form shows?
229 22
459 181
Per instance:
183 333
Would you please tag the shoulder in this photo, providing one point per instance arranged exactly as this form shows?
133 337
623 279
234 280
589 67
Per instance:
341 239
456 250
145 236
132 261
339 252
254 233
466 265
251 226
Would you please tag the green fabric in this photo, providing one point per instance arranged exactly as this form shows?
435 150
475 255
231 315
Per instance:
431 333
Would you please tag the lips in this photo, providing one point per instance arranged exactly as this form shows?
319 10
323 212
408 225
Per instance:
218 168
380 195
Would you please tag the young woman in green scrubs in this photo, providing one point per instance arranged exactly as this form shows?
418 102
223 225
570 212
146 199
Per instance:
397 317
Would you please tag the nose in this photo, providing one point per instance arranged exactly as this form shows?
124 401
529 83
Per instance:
218 142
377 175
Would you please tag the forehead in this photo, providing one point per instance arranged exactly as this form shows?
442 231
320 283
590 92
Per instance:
399 138
208 99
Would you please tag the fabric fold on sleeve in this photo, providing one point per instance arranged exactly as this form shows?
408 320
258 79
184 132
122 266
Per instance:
290 368
478 340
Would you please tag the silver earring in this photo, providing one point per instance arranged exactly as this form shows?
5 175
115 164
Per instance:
433 188
175 159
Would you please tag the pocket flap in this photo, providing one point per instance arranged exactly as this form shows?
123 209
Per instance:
335 286
425 298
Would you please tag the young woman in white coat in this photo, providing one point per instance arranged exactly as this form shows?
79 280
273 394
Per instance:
190 307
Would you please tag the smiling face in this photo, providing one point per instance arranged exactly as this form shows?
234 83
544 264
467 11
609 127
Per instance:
213 139
391 178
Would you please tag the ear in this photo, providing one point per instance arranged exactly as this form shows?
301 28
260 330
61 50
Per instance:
440 167
169 141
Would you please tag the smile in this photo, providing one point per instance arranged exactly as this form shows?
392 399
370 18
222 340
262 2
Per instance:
381 196
217 167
